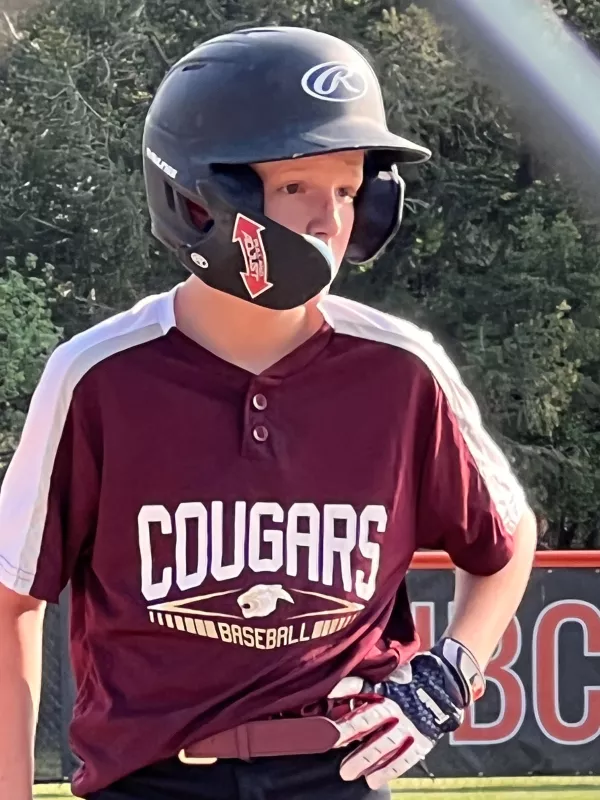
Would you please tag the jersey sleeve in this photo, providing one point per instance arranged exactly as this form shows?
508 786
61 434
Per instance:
49 495
469 502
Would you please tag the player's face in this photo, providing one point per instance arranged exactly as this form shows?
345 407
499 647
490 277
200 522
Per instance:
315 195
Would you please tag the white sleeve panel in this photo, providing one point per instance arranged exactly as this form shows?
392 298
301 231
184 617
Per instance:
355 319
24 493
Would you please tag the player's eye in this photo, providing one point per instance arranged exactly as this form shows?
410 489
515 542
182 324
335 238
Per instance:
291 188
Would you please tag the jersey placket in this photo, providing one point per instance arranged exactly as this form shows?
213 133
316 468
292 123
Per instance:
259 434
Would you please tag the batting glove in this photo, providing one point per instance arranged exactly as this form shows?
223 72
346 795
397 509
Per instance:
400 720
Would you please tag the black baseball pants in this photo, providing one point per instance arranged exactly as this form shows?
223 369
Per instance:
306 777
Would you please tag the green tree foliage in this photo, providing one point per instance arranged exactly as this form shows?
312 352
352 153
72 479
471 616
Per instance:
495 255
27 335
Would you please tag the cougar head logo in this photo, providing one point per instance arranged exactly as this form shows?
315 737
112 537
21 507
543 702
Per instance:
261 600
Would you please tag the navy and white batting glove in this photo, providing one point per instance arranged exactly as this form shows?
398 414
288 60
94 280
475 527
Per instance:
399 721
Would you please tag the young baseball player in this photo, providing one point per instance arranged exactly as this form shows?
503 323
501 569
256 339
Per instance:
234 475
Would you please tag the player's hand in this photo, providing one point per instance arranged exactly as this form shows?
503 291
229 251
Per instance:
398 722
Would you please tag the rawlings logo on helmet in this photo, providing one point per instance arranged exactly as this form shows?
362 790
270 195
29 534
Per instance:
334 81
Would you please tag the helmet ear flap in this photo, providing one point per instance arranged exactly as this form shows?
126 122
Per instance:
377 216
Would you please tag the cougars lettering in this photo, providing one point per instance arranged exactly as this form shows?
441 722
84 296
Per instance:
270 535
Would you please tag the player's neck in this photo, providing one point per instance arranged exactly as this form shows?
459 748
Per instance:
251 337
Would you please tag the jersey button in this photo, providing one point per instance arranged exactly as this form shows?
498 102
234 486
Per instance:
259 401
260 433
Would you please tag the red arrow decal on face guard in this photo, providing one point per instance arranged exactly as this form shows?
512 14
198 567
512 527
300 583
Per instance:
247 233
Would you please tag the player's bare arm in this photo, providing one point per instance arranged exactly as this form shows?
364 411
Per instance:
21 621
485 605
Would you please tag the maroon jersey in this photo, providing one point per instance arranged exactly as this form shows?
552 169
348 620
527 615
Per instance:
238 543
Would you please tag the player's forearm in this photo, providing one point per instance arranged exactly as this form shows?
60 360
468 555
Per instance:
20 683
484 606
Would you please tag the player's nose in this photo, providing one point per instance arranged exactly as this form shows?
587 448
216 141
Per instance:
326 221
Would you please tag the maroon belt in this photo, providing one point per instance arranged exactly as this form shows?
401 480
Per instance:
269 737
308 733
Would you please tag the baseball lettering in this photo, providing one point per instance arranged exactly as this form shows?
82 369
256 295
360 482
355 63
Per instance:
262 638
247 636
333 541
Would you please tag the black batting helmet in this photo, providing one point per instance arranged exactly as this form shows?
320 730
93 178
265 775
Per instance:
256 95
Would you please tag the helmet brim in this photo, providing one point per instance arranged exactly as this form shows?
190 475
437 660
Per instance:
331 137
364 135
